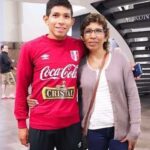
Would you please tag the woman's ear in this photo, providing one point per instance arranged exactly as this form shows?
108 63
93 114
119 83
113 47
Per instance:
106 39
107 36
82 38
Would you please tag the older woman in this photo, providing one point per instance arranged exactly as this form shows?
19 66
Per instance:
111 110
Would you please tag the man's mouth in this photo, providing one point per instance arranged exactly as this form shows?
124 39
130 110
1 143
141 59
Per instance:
60 29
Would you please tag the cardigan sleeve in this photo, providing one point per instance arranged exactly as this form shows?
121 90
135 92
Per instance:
133 99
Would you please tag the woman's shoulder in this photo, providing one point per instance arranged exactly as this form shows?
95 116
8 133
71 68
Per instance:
117 51
118 54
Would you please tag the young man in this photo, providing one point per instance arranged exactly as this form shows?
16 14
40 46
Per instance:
8 80
49 63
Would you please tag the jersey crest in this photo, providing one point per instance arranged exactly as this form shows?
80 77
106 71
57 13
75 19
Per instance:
74 55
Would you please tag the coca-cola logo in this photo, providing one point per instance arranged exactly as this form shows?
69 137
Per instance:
69 71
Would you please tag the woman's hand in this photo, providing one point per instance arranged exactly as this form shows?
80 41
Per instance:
32 102
131 143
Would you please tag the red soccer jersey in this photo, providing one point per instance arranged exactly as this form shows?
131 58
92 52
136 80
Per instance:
50 66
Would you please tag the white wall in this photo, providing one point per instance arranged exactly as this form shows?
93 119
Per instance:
24 21
1 20
32 21
9 21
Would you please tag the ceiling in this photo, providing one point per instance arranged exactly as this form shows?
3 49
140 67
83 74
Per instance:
125 16
132 21
84 3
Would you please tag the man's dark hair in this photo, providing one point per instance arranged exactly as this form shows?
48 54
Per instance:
52 3
2 46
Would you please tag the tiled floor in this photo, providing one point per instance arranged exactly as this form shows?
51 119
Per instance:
8 127
8 131
144 140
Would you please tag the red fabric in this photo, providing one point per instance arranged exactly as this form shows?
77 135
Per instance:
49 64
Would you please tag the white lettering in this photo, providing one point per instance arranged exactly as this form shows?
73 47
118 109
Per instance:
69 71
139 18
142 17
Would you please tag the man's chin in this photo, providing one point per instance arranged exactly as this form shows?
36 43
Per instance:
61 37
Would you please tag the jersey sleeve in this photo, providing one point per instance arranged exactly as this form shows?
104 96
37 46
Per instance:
24 79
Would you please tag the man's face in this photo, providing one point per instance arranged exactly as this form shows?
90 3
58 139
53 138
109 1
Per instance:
59 22
5 49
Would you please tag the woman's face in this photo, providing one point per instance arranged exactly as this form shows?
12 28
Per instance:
94 36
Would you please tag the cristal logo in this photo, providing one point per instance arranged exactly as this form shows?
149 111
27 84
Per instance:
69 71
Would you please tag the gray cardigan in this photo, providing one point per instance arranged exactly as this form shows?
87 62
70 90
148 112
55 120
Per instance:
123 91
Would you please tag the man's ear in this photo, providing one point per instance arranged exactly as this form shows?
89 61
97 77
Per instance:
45 18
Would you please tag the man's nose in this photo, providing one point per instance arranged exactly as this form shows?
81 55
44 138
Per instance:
61 20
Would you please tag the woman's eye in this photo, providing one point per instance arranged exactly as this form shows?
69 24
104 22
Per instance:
88 31
99 30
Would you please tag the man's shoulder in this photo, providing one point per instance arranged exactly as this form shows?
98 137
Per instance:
2 54
74 39
35 40
76 43
33 43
